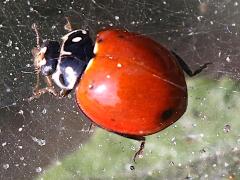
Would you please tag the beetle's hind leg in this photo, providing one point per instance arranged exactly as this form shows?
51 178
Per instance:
142 139
140 150
186 68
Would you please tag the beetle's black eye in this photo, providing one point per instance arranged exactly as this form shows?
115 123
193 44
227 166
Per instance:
51 57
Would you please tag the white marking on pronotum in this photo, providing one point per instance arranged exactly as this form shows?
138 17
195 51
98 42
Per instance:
84 32
71 76
64 52
65 37
55 77
69 70
76 39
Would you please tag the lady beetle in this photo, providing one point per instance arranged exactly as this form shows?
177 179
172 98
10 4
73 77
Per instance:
125 83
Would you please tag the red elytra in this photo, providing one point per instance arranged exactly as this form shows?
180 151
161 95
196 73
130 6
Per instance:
133 86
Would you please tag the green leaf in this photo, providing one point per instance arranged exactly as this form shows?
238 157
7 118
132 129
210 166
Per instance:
204 143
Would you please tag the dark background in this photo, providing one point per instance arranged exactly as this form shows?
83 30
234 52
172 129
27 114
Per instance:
38 133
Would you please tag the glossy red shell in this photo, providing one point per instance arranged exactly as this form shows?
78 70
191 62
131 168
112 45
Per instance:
133 86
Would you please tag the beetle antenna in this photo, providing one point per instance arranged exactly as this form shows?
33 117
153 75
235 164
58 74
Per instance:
35 28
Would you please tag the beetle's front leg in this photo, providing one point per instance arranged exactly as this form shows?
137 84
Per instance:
49 89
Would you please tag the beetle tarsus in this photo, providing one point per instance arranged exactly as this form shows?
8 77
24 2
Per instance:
39 92
64 92
186 68
90 128
204 66
139 152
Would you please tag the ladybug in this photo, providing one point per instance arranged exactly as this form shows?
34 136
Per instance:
124 82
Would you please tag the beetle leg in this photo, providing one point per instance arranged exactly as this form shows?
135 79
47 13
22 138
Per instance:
187 69
49 89
140 150
42 91
64 92
48 81
38 79
90 128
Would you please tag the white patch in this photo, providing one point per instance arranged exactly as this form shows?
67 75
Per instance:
71 76
65 37
69 70
84 32
89 64
42 62
65 52
76 39
72 81
108 76
43 50
95 50
55 78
